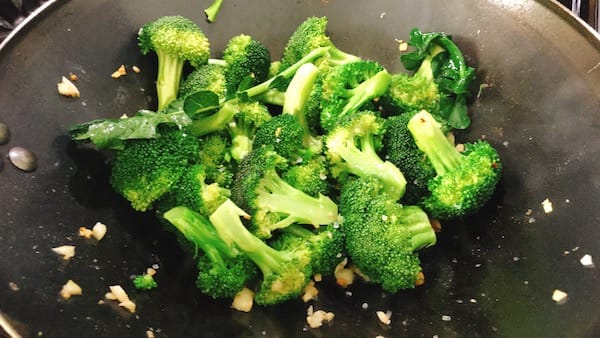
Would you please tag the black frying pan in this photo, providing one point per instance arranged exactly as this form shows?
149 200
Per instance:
491 275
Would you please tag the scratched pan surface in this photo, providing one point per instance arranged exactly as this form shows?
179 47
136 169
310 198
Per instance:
491 275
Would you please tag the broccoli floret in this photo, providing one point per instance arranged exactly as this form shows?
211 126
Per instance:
413 93
213 10
284 134
326 245
347 88
175 40
215 157
223 271
352 149
146 169
285 273
382 236
274 203
144 282
247 63
309 176
401 149
250 116
192 191
450 71
311 34
464 181
206 77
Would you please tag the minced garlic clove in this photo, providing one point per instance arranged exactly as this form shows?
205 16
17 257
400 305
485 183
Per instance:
310 292
119 72
136 69
98 231
85 232
385 317
66 251
70 289
117 293
343 275
559 296
243 300
67 88
129 305
318 318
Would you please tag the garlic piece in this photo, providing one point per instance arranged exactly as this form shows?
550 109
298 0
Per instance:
67 88
70 289
67 251
559 296
243 300
98 231
385 317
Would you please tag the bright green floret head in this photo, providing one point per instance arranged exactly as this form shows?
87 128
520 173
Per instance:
464 181
175 40
144 282
146 169
206 77
247 60
382 236
242 128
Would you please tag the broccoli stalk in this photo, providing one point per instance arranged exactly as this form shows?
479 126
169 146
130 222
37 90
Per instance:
212 11
285 272
175 40
464 181
243 127
276 204
352 149
223 270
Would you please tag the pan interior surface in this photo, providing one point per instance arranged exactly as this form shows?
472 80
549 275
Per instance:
536 99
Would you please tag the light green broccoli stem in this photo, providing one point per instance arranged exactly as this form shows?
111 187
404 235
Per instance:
419 226
278 196
216 121
272 96
338 57
170 69
367 90
431 140
425 71
217 62
226 220
296 97
213 10
241 145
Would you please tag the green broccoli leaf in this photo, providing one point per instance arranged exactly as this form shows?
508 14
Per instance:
200 102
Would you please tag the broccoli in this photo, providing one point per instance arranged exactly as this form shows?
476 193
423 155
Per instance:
274 203
285 273
382 236
247 63
326 245
451 73
215 157
206 77
144 282
175 40
243 127
352 149
401 149
347 88
213 10
146 169
284 134
465 181
223 271
310 176
310 35
192 191
419 91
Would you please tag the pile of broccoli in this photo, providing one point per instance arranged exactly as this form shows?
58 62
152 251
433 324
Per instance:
274 171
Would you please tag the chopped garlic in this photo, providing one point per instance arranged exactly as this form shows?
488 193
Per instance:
385 317
99 230
136 69
243 300
420 279
150 272
310 292
317 318
85 232
559 296
70 289
117 293
547 205
343 275
119 72
149 334
67 251
587 261
67 88
318 277
73 77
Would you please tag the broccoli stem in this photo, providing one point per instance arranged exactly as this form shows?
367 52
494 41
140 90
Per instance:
338 57
218 62
367 90
241 144
226 219
431 140
213 10
198 230
425 69
365 162
277 195
418 225
272 96
295 99
170 69
206 125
